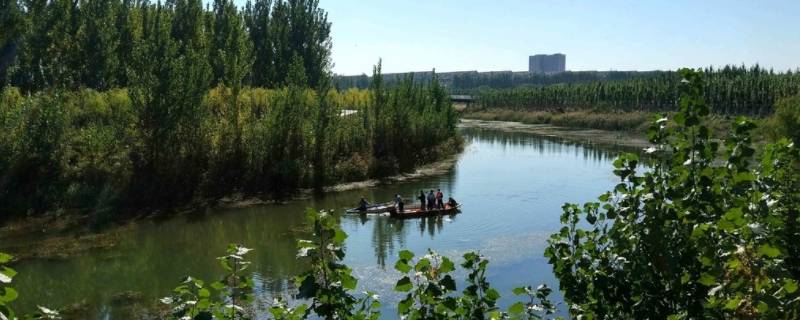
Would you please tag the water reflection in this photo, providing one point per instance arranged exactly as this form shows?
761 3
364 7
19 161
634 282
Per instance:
543 145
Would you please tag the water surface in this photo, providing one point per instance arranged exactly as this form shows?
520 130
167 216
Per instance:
511 185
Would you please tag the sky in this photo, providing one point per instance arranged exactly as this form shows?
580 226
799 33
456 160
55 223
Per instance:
495 35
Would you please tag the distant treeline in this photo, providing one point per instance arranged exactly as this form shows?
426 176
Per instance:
104 44
106 150
730 90
466 82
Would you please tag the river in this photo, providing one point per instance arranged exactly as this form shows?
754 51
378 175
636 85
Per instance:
511 185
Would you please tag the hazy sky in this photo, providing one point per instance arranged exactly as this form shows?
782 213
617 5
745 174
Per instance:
454 35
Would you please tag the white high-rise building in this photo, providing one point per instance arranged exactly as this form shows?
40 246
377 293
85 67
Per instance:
547 63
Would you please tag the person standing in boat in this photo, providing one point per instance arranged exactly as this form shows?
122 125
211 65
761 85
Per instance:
421 198
439 199
431 200
398 200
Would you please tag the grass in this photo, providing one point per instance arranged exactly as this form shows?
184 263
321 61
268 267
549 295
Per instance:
635 122
617 121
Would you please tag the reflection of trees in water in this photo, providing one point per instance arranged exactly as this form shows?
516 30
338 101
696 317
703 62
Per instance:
543 144
384 231
389 234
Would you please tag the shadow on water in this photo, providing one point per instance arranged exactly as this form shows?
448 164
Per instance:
511 186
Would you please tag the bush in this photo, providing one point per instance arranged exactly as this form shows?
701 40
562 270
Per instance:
786 120
687 239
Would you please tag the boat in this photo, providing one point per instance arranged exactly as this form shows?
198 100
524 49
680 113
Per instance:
416 212
372 209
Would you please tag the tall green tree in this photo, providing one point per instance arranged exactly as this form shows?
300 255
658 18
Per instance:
97 40
258 22
12 26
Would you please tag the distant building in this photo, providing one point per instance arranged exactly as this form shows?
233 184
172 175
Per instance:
547 63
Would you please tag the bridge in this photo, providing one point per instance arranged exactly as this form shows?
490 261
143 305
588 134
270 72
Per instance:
461 98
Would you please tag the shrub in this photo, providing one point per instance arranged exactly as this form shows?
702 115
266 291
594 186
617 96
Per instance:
687 239
786 120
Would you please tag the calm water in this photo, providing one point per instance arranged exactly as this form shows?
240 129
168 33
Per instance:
511 185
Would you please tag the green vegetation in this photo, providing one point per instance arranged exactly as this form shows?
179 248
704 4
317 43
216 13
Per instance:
689 238
620 121
110 105
105 44
731 91
8 295
105 150
786 120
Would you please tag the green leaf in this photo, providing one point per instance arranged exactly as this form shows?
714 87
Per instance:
203 293
744 177
4 258
517 308
448 283
7 274
422 264
446 266
402 266
217 285
732 303
9 294
520 291
406 255
769 251
403 285
492 294
349 282
405 305
339 237
790 285
707 279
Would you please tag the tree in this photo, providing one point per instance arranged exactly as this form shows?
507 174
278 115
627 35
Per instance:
12 25
97 42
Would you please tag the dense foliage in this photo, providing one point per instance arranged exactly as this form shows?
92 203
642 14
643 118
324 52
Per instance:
786 120
130 148
730 90
471 81
707 232
104 44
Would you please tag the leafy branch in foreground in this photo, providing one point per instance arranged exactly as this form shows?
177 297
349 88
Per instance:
231 296
326 288
8 295
708 232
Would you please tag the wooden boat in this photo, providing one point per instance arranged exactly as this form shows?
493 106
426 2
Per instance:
373 209
416 212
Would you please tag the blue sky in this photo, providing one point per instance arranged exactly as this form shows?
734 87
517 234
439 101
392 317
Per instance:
454 35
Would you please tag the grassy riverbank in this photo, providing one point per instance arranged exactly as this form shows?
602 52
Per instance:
633 123
625 121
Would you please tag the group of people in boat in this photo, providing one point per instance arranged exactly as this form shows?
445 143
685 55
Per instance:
434 201
429 201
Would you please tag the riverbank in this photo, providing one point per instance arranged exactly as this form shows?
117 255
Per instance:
608 138
632 124
628 121
62 234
